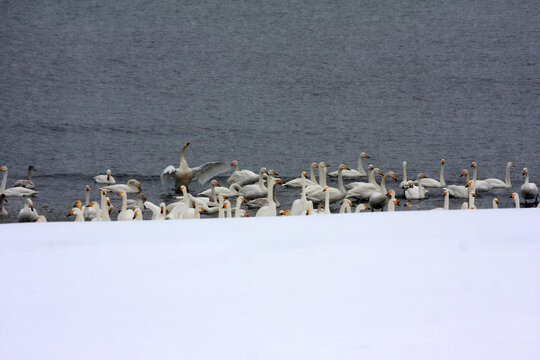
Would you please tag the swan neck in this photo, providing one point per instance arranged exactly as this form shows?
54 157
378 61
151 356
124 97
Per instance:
371 176
303 196
182 158
124 201
383 183
340 181
360 167
312 174
507 181
87 201
441 178
404 171
4 180
322 177
516 201
327 202
237 208
29 175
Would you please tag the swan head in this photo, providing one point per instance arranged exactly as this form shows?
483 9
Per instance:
343 167
370 167
396 202
32 167
119 194
469 184
272 172
514 195
285 213
3 168
464 172
442 161
87 188
234 163
473 194
325 188
473 165
496 201
103 192
525 171
445 192
162 208
304 174
379 171
186 144
77 204
364 155
214 183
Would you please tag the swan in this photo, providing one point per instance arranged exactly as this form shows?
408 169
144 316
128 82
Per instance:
125 213
41 218
231 191
238 211
158 212
105 207
497 183
3 210
378 198
405 183
495 203
89 212
244 177
228 208
479 185
300 206
14 191
78 214
260 202
429 182
393 202
137 214
322 166
297 183
26 183
416 192
257 190
285 213
460 191
105 179
94 213
270 209
132 203
446 201
345 207
335 194
515 196
360 207
132 186
193 213
184 174
352 173
362 190
529 191
27 213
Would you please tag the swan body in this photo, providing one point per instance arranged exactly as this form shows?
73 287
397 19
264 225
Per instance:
125 213
183 175
335 194
105 179
257 190
300 206
27 213
231 191
529 190
362 190
270 209
93 212
132 186
429 182
297 183
416 192
26 183
41 218
352 173
479 185
14 191
378 198
244 177
498 183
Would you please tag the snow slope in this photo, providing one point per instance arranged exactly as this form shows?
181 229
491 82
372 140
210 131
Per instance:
404 285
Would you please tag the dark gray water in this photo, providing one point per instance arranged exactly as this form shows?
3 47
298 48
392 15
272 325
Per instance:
87 86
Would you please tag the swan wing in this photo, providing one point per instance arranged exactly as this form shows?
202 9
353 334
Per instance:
207 171
168 173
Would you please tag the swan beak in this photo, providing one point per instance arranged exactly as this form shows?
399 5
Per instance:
135 215
442 161
202 210
394 177
245 214
512 196
317 166
524 171
140 189
120 193
307 211
366 156
32 207
473 164
468 184
70 213
87 187
381 173
496 201
473 195
91 205
186 144
3 168
243 200
396 202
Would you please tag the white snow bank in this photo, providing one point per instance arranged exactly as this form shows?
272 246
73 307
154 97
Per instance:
404 285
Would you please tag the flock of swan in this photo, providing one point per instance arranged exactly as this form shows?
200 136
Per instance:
257 190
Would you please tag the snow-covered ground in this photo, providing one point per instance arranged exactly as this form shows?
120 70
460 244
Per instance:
404 285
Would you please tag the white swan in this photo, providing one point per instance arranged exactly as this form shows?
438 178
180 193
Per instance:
479 185
231 191
78 214
27 213
137 214
497 183
459 191
529 190
297 183
495 203
378 198
244 177
300 206
238 211
393 202
352 173
335 194
362 190
158 212
429 182
257 190
95 212
105 179
515 196
105 207
270 209
125 213
416 192
26 183
41 218
132 186
345 207
318 187
360 208
3 200
446 201
14 191
404 183
89 212
184 174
